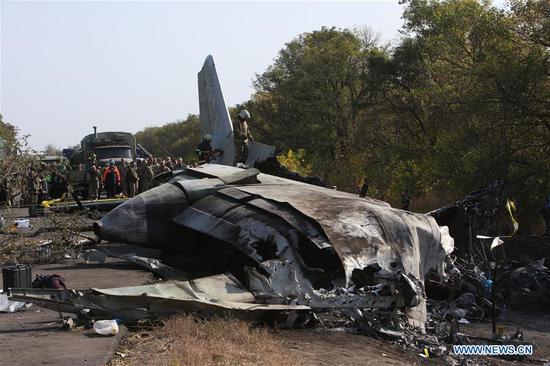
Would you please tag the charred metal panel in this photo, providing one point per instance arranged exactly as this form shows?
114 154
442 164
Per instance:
205 223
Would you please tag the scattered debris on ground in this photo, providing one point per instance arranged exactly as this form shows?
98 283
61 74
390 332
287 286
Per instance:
52 238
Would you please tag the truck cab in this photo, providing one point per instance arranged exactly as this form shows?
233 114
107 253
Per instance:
116 153
106 146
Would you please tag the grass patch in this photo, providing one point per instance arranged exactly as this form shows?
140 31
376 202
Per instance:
188 340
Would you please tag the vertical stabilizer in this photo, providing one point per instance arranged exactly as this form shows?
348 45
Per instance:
214 115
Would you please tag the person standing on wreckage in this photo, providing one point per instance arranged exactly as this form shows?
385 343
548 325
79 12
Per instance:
241 135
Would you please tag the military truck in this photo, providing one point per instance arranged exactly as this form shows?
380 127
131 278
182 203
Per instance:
106 146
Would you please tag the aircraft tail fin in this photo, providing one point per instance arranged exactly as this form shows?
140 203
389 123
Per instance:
214 115
215 119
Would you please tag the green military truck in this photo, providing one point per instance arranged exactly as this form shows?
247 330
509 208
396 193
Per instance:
106 146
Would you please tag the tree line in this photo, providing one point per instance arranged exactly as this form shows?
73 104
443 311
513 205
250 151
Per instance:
460 101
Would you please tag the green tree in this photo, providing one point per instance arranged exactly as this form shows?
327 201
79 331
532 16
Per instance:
177 139
314 97
479 108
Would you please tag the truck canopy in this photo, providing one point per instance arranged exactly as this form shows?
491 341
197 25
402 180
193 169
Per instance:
110 142
113 152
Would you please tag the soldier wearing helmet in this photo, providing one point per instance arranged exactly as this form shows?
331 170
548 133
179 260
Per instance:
241 135
204 149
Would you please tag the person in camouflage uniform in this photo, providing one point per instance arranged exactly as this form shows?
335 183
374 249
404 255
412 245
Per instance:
122 168
94 176
30 195
168 166
131 180
158 166
59 184
145 174
95 179
241 135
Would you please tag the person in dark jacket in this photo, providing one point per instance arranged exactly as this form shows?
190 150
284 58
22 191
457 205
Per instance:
59 184
204 149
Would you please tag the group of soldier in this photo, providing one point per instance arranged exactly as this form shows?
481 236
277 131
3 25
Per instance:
38 182
42 181
128 178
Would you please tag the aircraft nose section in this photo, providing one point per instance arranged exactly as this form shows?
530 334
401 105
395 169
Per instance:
144 219
97 228
126 223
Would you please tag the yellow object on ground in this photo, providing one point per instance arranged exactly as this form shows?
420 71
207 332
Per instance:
58 201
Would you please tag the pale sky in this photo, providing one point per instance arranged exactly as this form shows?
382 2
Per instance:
66 66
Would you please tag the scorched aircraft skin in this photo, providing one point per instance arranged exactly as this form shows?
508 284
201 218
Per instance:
289 242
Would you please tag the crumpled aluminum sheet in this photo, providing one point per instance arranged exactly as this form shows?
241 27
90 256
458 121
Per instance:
219 295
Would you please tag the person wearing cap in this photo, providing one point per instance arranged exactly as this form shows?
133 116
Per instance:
241 135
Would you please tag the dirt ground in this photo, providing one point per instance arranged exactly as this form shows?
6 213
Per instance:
228 342
185 340
535 327
339 348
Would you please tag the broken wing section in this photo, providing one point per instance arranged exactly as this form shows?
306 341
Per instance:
214 115
221 295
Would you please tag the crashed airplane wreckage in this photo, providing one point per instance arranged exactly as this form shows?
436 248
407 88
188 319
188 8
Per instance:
263 245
